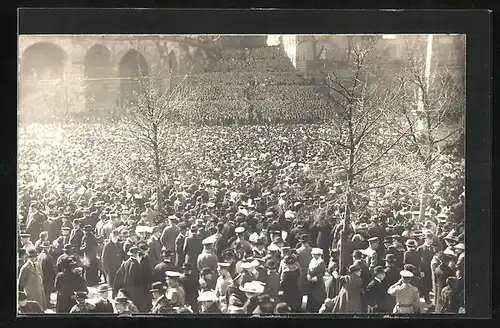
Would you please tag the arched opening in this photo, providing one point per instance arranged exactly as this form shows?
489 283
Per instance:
97 70
41 72
40 63
132 67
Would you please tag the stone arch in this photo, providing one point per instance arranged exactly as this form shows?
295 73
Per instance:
39 62
132 68
97 71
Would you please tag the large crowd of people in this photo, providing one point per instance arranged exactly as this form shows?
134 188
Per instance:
245 227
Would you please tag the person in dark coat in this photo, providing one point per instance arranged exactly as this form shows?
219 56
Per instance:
26 306
324 239
147 275
412 256
154 247
179 245
89 248
129 277
289 284
192 248
66 284
349 298
60 242
208 280
54 225
165 265
443 272
103 304
112 257
374 294
273 280
191 286
49 271
68 253
76 236
449 302
130 241
426 254
391 277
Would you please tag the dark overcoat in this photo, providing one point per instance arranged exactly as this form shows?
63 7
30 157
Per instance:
291 294
112 257
129 276
349 297
66 284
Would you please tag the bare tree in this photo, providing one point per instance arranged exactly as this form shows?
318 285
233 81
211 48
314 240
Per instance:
430 112
150 114
362 99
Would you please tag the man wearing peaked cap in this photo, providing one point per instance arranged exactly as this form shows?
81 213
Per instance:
411 256
175 292
241 241
207 258
407 295
190 285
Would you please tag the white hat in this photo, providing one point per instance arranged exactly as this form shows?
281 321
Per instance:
248 265
243 211
254 237
253 287
449 252
317 251
141 229
239 230
406 274
273 248
289 214
209 240
460 246
442 216
172 274
208 296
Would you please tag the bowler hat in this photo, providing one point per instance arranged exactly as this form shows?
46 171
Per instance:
353 268
80 295
388 239
411 243
157 287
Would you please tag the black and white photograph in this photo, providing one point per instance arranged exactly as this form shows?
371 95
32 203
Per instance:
241 174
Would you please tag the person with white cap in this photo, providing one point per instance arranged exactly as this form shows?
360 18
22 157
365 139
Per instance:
246 276
372 258
209 302
316 293
207 258
240 240
223 282
407 295
175 292
252 291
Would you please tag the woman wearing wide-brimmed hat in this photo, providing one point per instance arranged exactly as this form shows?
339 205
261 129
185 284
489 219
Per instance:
349 298
123 304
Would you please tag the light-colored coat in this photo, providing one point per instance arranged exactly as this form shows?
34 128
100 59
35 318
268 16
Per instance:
304 257
407 298
30 280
